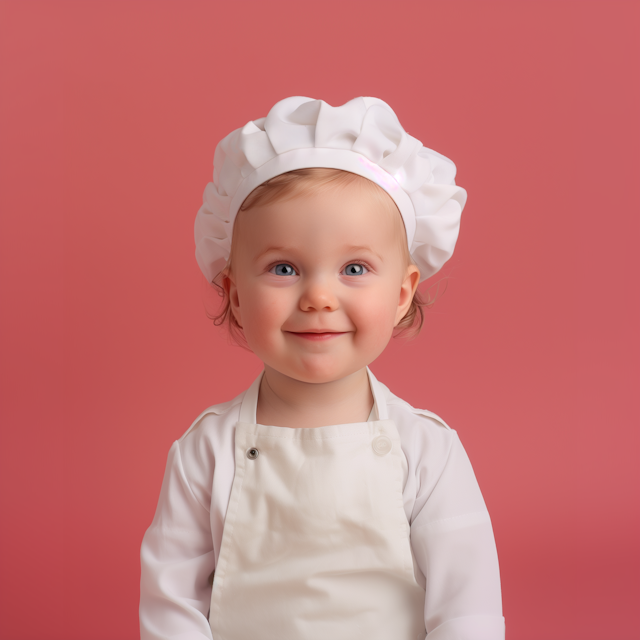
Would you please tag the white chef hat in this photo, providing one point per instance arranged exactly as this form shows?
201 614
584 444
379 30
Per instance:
362 136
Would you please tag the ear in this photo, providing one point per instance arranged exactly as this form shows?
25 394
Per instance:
231 290
407 291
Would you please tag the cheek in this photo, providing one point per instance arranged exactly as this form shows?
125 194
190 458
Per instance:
263 311
375 320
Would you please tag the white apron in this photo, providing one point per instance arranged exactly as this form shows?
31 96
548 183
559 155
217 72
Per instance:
316 541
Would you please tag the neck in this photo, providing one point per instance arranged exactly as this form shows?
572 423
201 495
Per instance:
286 402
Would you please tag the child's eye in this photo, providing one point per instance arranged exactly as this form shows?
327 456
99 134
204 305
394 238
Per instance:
283 270
355 269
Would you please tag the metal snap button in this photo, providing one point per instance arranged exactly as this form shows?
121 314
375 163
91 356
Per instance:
252 453
381 445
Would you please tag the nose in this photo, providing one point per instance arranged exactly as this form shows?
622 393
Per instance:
318 295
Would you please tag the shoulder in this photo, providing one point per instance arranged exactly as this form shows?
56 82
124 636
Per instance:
420 418
214 417
427 440
210 434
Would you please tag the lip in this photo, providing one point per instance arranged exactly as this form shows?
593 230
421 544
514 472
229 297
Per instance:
317 335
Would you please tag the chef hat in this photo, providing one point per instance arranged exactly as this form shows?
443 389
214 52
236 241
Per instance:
362 136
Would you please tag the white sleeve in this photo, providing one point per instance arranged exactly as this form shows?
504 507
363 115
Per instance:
177 559
453 544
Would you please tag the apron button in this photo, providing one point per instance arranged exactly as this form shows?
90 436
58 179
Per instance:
381 445
252 453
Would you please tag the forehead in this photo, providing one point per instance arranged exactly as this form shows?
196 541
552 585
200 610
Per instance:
333 215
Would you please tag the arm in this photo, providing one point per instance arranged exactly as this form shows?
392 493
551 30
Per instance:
453 544
177 559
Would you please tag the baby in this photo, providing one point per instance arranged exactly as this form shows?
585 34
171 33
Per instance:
317 505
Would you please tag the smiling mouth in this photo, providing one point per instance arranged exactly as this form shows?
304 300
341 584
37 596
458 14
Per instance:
317 335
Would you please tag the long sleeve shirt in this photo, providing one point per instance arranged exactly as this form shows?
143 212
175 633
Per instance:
452 542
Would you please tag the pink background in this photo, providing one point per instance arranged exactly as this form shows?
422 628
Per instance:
109 116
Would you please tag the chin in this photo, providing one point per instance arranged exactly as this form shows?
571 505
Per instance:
321 373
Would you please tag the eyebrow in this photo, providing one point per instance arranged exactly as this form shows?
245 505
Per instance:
274 250
363 247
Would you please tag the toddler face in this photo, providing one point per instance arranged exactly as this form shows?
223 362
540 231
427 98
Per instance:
318 282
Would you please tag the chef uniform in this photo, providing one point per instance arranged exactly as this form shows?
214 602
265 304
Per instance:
373 530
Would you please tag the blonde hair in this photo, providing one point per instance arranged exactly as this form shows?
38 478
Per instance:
290 185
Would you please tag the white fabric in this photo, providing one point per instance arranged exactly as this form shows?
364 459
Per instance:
362 136
450 530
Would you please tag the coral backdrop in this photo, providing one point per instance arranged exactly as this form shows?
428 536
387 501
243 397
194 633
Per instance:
109 115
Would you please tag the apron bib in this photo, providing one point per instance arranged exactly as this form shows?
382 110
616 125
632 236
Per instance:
316 542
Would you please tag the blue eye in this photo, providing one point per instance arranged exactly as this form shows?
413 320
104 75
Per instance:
355 269
283 270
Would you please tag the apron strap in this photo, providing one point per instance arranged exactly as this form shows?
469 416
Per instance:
379 400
